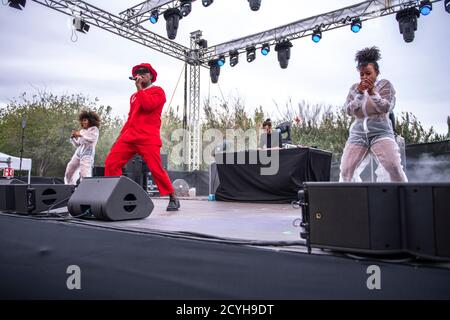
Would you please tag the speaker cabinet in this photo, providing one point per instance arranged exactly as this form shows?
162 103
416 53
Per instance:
379 218
359 217
110 198
32 199
11 181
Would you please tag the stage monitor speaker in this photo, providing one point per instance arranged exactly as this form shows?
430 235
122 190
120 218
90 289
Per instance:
379 218
110 198
11 181
426 214
355 217
33 199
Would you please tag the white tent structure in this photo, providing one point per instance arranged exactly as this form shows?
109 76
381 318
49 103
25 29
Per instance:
14 162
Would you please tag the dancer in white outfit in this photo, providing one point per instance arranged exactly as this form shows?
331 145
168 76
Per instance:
85 141
370 101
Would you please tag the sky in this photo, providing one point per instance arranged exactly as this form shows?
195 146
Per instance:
37 53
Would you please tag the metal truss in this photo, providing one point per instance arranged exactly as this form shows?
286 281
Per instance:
194 148
114 24
141 12
332 20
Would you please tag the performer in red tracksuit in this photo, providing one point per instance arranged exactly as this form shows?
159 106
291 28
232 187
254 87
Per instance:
141 133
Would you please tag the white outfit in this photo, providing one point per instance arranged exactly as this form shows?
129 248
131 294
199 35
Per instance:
371 131
83 159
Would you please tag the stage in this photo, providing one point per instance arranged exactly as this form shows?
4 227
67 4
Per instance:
207 250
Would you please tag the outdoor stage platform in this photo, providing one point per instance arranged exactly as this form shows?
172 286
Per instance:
207 250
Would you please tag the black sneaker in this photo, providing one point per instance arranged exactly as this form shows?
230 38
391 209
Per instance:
174 205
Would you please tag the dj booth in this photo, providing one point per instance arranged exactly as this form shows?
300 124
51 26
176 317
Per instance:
246 176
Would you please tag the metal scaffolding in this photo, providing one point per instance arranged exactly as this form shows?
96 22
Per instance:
118 26
194 148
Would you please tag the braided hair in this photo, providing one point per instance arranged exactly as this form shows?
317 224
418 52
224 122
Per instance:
367 56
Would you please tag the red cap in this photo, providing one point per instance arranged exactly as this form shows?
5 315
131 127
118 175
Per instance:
145 65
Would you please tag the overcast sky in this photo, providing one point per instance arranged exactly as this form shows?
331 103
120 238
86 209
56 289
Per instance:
37 52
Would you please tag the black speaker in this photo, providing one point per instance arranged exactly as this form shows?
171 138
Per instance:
426 214
110 198
32 199
354 217
11 181
378 218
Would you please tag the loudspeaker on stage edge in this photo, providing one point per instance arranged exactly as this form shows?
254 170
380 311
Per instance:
110 198
32 199
378 218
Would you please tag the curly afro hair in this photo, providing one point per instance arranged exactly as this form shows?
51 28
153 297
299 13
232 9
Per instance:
93 118
366 56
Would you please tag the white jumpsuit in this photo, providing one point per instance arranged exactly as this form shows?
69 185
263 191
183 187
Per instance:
83 159
372 131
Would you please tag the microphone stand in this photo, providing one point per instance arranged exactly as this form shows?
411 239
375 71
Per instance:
24 124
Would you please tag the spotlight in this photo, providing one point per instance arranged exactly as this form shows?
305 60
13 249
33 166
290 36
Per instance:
356 25
284 53
251 55
17 4
80 25
172 17
234 58
317 35
447 5
221 61
425 7
202 43
255 4
214 70
265 49
185 7
407 21
207 3
154 16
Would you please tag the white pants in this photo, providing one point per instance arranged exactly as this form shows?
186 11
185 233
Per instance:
78 168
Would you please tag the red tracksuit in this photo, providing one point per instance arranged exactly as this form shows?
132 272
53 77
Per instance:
141 135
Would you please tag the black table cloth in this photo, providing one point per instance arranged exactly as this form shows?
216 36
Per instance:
244 181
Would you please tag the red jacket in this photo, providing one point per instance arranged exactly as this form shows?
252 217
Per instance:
144 119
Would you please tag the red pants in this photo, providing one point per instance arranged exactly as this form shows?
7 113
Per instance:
122 152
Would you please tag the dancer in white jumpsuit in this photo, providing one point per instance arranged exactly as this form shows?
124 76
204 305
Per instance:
85 141
370 101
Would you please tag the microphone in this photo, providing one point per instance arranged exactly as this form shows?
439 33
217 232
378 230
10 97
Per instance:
132 78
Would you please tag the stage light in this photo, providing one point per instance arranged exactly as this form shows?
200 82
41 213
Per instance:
221 61
154 16
254 4
202 43
214 70
284 53
234 57
317 35
251 55
80 25
207 3
356 25
425 7
407 21
447 5
185 7
265 49
17 4
172 17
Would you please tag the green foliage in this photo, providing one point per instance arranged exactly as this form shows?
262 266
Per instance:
413 132
50 120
